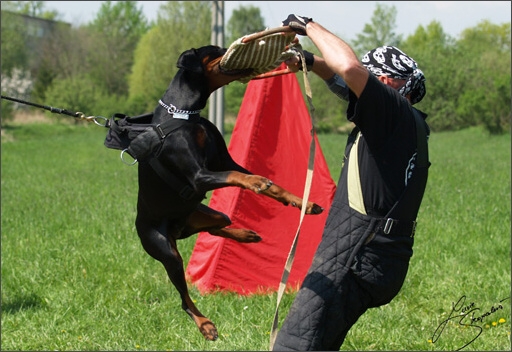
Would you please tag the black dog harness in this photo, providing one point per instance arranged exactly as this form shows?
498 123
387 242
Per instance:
142 140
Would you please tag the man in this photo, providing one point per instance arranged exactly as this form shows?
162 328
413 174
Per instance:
363 257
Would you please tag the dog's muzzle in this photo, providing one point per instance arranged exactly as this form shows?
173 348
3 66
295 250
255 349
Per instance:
238 72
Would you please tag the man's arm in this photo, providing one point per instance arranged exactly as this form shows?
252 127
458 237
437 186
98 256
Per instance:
338 57
337 54
316 64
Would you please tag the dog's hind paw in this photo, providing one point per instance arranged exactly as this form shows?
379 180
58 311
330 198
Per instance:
239 235
209 331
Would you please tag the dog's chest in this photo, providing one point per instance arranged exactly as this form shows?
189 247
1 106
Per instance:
194 143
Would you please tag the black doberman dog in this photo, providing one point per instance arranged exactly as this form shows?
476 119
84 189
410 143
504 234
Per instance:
196 154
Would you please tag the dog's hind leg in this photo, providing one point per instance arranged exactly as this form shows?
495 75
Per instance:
214 222
164 249
239 235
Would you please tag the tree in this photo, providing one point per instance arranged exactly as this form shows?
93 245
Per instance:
93 60
243 21
115 33
379 32
63 55
180 26
484 59
64 78
14 52
468 81
434 52
31 8
19 49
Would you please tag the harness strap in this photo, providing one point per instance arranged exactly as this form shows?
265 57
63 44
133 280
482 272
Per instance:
307 188
406 208
422 145
165 128
184 189
142 140
394 227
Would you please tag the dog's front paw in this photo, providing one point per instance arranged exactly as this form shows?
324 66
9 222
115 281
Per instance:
264 185
257 184
311 208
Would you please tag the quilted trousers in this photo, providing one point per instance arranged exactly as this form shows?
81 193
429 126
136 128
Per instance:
356 267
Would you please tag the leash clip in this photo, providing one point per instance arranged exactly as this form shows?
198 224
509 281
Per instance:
96 120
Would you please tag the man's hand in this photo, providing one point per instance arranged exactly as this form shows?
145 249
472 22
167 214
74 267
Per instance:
297 23
295 62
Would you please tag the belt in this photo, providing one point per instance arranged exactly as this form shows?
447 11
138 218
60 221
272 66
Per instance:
397 227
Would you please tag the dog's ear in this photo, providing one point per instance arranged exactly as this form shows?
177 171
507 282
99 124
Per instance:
189 60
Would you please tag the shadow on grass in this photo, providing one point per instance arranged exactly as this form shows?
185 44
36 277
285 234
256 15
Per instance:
21 302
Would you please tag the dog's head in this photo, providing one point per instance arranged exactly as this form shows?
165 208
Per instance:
205 61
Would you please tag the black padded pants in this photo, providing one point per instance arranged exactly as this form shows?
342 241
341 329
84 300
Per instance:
355 268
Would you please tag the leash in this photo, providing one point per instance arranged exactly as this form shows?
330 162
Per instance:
263 52
307 189
77 115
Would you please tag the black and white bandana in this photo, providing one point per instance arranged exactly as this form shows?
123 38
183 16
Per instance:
392 62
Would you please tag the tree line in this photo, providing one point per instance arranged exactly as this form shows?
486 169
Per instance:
121 62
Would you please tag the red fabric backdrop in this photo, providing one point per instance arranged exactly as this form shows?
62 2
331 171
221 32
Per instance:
271 138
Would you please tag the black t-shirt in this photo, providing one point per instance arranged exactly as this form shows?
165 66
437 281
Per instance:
387 148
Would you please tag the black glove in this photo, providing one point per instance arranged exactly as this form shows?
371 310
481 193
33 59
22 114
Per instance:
309 58
297 23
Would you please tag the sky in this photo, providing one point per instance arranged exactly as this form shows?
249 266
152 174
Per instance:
345 18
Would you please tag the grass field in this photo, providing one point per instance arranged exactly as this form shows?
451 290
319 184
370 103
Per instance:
75 277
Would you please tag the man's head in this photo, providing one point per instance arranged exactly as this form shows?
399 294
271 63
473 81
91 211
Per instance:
396 69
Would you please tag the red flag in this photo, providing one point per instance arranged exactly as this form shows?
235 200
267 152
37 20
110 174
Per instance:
271 138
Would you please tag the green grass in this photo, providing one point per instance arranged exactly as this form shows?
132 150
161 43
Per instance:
75 277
